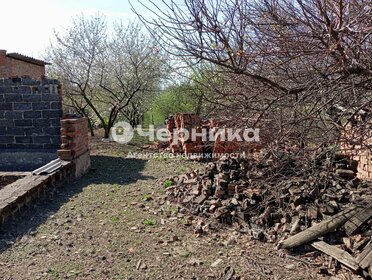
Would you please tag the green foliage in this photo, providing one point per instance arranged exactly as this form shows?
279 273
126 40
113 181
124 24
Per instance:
175 99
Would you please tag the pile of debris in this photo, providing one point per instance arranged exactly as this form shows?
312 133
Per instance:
272 201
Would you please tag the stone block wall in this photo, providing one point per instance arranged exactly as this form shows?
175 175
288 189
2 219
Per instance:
74 135
30 113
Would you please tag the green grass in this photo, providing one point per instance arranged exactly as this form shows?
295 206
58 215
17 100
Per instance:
139 140
167 183
115 219
147 197
54 273
149 222
160 158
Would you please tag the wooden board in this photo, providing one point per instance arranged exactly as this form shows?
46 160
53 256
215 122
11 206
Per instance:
355 222
342 256
364 260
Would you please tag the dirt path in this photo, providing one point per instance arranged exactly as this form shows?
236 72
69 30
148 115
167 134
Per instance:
112 224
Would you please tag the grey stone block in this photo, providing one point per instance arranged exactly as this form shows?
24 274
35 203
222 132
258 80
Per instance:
21 89
41 105
13 97
51 97
6 106
32 97
51 146
23 140
41 123
22 106
34 131
12 115
16 146
6 139
50 82
41 139
23 122
56 122
56 105
52 131
15 131
52 114
32 114
5 89
7 123
30 82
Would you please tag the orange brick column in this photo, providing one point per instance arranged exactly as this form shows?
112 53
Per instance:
74 136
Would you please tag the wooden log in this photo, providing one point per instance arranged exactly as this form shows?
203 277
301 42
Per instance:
355 222
320 229
342 256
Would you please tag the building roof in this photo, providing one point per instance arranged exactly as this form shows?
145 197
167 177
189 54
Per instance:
27 59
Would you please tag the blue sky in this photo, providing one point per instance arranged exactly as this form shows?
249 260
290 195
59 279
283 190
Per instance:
26 26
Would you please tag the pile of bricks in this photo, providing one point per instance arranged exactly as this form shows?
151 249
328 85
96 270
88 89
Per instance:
74 135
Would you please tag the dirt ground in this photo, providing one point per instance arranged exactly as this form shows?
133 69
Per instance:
113 224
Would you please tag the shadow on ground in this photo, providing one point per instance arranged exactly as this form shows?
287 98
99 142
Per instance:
105 170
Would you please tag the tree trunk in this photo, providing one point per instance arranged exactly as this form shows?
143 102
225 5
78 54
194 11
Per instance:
107 132
91 128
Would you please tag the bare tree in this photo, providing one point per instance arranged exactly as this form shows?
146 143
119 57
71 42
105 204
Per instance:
279 64
131 70
74 55
103 73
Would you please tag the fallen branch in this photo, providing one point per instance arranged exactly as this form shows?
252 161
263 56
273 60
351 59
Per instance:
320 229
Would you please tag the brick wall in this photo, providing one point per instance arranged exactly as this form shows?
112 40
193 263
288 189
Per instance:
357 143
180 121
74 135
10 67
30 113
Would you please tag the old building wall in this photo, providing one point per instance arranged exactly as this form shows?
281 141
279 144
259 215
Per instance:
11 67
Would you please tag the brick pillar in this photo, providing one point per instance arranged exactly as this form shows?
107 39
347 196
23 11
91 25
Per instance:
3 69
356 143
2 56
74 136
